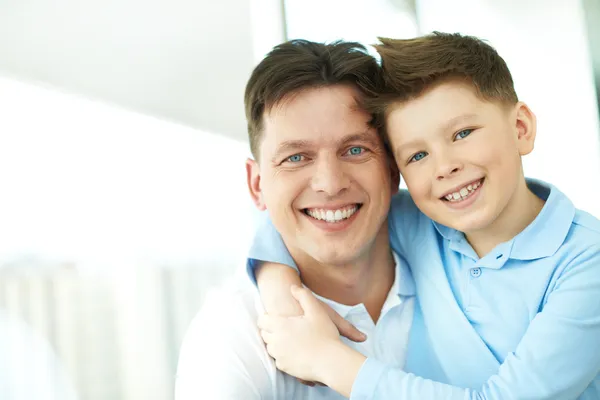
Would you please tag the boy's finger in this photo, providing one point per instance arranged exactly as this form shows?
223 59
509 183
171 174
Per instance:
345 328
267 323
307 300
266 336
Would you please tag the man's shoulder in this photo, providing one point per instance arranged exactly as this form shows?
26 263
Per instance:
222 353
236 303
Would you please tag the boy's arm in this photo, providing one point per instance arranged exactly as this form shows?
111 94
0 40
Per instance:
274 271
274 282
558 357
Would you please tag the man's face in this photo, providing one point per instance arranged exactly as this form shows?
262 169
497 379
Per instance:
459 155
323 175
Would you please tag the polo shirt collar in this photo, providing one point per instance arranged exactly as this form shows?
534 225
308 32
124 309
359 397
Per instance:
542 238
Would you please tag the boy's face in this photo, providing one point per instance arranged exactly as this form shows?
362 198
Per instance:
460 155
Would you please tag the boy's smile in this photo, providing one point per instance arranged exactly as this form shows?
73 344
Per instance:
463 195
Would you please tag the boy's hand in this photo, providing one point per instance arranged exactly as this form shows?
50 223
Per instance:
300 345
274 282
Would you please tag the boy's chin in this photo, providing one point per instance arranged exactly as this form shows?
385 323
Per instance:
468 224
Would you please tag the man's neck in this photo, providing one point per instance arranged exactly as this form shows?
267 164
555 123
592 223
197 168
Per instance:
367 279
521 211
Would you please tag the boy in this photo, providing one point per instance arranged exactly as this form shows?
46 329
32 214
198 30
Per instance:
507 270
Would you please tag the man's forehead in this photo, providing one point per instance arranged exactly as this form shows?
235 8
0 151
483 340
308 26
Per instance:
316 124
341 98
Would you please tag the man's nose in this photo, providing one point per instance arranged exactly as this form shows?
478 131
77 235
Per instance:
330 177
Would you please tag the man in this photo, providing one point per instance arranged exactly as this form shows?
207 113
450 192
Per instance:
317 158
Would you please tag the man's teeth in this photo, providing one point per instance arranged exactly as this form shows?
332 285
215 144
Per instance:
463 192
332 215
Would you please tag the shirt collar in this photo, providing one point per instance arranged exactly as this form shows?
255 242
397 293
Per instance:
548 231
542 238
403 286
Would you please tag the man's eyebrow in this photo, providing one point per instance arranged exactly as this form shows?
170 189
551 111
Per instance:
289 146
365 137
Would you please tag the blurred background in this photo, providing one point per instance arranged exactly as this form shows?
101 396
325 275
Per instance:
122 148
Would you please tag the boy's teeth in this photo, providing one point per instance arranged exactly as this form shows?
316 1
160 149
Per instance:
332 215
463 192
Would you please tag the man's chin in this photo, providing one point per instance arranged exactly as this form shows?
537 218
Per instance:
328 253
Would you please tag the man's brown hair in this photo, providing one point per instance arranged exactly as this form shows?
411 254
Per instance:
301 64
411 66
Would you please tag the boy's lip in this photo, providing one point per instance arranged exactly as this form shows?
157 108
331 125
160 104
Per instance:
457 188
466 202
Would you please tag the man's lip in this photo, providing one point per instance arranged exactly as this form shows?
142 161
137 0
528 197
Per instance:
331 207
338 226
457 188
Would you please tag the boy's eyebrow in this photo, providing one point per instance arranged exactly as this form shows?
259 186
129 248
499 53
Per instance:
411 143
448 125
457 120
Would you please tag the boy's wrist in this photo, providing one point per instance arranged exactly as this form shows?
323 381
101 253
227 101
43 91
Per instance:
339 367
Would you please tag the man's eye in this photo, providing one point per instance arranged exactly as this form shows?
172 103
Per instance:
463 134
356 151
295 158
418 156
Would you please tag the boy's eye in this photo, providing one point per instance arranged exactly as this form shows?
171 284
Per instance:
356 151
463 134
418 156
295 158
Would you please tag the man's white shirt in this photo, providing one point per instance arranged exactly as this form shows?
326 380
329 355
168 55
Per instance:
223 356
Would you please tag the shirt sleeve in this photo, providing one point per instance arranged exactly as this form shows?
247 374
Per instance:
222 356
267 245
403 219
558 357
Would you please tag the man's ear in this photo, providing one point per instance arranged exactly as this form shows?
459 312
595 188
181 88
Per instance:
525 124
253 180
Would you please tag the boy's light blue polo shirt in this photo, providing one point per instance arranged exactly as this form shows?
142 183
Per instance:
523 322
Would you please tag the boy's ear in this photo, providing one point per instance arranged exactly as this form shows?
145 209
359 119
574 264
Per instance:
253 180
525 128
395 174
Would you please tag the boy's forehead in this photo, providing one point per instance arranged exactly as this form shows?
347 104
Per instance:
441 106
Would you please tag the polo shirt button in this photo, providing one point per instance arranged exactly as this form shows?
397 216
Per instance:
475 272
